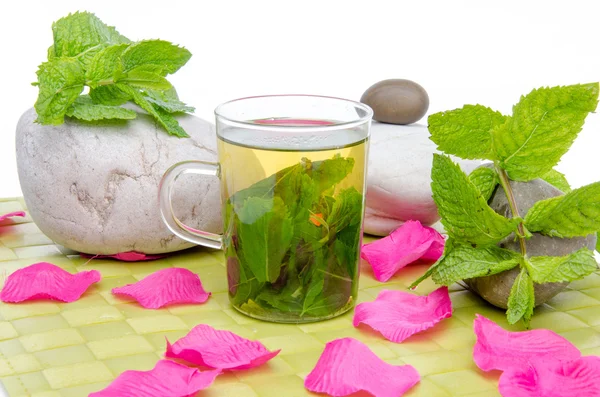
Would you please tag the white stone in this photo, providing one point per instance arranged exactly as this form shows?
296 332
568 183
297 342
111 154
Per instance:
94 188
399 177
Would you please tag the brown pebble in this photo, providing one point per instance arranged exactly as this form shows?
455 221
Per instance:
397 101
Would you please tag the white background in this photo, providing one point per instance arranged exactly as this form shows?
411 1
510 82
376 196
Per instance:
460 51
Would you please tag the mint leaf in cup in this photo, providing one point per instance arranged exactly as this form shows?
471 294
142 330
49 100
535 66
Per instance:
292 240
265 233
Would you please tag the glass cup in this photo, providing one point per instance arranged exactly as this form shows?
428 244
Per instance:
292 171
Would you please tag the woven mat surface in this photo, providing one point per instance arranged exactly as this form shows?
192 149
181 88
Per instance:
55 349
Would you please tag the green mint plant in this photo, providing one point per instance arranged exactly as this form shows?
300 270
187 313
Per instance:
88 53
523 146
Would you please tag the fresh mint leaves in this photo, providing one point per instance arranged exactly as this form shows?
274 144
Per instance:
558 180
555 269
468 262
164 118
485 180
88 53
465 214
472 123
167 101
60 82
105 67
577 213
522 298
542 128
523 146
293 241
109 95
82 35
154 56
85 109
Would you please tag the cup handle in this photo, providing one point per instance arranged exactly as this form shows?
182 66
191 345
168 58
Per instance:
165 191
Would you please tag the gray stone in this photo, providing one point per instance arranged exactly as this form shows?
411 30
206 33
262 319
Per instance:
399 177
93 187
526 195
496 288
397 101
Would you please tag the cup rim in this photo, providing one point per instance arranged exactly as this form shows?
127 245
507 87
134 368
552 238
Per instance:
318 127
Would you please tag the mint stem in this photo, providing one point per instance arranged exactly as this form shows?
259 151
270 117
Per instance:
102 82
505 182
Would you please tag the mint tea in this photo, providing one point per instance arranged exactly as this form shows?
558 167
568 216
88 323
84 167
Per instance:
292 181
293 226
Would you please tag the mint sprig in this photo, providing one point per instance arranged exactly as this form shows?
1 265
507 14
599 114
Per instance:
555 269
577 213
472 123
558 180
60 83
522 298
542 128
81 35
88 53
485 180
523 146
85 109
467 262
473 221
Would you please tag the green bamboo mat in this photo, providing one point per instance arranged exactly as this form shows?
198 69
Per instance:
55 349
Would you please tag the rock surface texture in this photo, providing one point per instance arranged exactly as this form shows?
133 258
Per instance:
397 101
399 177
496 288
93 187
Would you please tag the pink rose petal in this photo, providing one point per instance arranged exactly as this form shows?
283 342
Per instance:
130 256
47 281
497 348
408 243
166 379
209 347
166 287
347 366
578 378
12 215
398 315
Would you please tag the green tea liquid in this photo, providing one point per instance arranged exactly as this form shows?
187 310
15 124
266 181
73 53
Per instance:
293 229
